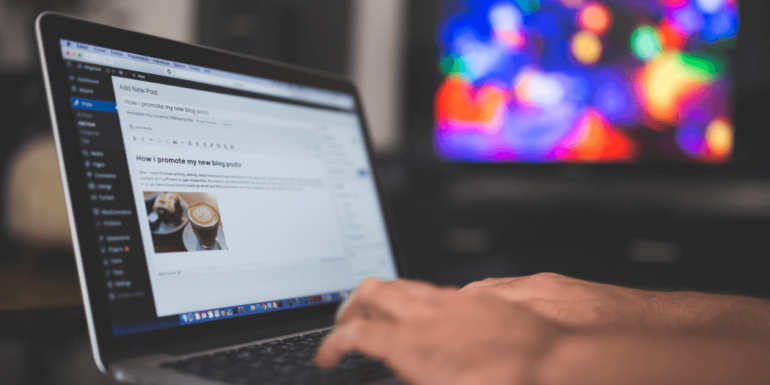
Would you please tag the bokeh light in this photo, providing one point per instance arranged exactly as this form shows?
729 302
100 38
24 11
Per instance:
709 6
596 18
586 47
645 43
672 36
586 80
669 80
572 3
463 107
505 17
534 88
719 137
674 3
596 140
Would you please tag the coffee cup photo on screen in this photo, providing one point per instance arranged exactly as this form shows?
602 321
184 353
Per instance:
184 221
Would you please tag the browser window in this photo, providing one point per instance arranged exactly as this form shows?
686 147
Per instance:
216 193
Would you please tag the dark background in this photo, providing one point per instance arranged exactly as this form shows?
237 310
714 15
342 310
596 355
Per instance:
698 228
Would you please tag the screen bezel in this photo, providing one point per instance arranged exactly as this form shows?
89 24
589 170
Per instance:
51 28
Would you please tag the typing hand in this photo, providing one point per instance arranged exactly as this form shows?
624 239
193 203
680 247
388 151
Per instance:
430 335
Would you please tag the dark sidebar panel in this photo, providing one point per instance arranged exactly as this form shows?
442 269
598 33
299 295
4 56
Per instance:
120 251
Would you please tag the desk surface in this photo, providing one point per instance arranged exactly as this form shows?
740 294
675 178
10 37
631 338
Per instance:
26 288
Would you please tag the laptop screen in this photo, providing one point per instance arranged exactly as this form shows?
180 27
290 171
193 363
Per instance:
219 195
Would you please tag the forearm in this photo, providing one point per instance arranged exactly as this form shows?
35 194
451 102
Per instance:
709 313
615 358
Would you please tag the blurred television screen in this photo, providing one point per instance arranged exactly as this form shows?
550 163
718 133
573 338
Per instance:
611 81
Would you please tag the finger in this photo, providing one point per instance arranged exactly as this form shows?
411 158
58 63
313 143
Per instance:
422 290
419 289
392 301
373 338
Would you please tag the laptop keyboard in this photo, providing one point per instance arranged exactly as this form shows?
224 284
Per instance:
284 362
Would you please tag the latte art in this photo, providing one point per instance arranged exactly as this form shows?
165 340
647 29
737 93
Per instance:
203 215
204 221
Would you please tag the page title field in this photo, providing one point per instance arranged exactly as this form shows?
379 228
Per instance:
189 162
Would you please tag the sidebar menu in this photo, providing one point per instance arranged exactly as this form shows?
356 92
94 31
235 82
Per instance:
118 236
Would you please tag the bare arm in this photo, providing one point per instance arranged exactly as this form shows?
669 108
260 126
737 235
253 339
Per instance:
638 358
580 303
430 335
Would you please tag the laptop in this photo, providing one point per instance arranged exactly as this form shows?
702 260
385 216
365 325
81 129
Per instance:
221 206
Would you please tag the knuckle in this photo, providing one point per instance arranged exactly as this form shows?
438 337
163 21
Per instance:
547 278
368 286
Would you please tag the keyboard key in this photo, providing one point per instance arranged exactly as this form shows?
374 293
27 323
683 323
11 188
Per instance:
285 362
307 344
289 348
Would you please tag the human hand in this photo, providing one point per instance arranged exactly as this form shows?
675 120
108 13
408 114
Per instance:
577 303
430 335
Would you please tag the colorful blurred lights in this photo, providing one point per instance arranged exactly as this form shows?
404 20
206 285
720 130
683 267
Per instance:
596 140
719 137
690 139
721 25
586 47
595 17
572 3
506 21
460 106
689 19
671 35
674 3
645 43
516 90
505 17
535 88
710 6
669 79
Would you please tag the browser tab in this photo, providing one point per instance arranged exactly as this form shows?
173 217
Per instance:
207 75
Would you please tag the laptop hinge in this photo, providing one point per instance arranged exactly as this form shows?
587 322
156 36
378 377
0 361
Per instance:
225 339
221 341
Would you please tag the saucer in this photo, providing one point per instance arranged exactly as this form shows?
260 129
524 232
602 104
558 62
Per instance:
166 228
191 241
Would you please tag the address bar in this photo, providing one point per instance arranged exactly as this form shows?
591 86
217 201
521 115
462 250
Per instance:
230 83
266 89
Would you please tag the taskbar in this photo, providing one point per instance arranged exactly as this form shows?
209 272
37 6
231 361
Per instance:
260 307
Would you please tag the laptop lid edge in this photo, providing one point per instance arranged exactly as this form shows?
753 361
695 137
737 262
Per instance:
67 199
